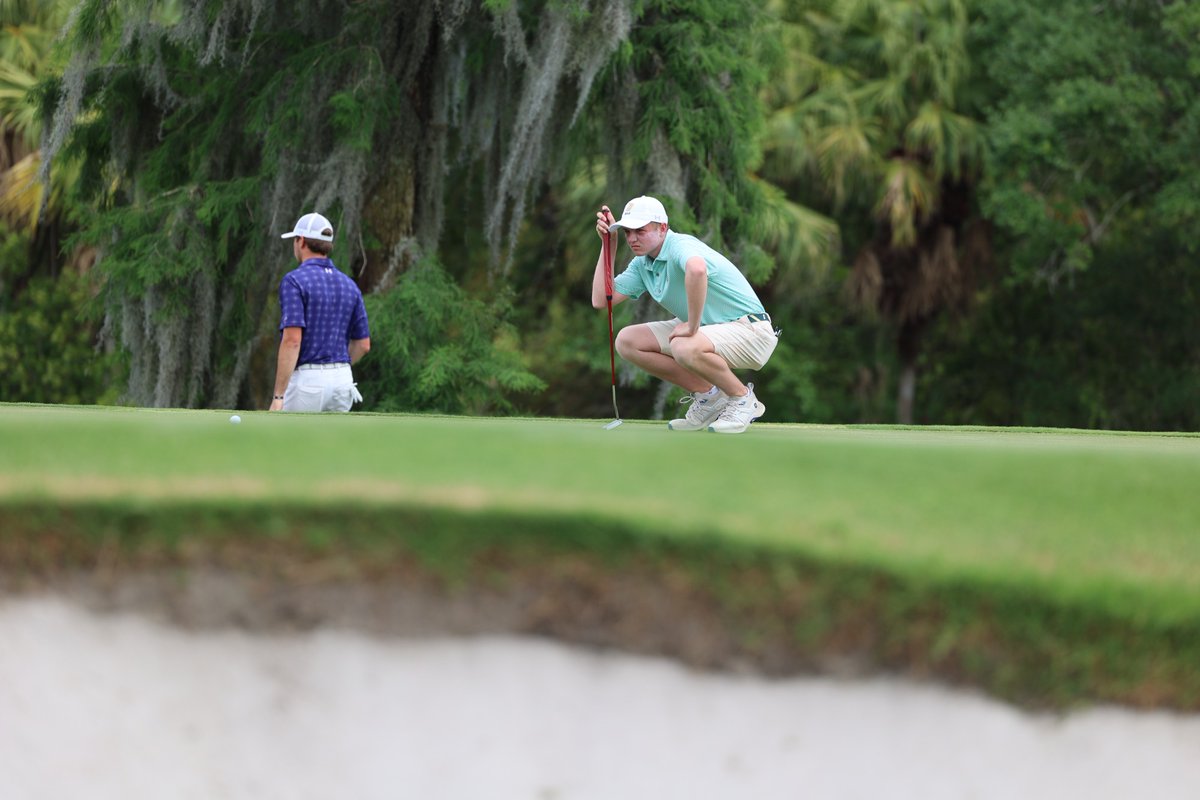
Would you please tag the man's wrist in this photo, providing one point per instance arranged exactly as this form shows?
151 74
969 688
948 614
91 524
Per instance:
276 397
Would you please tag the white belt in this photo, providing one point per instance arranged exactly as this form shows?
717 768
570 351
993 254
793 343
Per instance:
323 366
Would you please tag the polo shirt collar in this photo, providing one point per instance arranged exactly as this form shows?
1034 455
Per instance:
662 249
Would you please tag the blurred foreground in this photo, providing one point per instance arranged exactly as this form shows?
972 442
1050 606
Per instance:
115 706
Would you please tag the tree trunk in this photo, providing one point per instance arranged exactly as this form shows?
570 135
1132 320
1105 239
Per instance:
907 391
909 346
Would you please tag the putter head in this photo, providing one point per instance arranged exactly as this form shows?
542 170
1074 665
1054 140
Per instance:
612 424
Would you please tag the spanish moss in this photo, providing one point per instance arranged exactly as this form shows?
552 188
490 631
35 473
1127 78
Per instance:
206 127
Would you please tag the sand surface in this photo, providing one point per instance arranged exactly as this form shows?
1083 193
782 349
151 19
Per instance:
114 705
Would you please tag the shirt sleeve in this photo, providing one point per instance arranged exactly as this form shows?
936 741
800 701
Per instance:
629 282
291 304
358 322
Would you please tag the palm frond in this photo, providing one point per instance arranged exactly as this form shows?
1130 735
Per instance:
847 156
786 145
908 196
804 242
18 112
885 99
28 29
950 142
21 193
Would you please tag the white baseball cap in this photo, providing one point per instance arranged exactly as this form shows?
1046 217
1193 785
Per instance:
640 211
312 226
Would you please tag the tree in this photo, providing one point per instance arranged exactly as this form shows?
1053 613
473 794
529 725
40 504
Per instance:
27 33
870 127
203 126
47 335
1093 122
676 114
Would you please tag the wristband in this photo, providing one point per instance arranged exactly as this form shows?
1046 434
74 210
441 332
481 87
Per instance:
276 397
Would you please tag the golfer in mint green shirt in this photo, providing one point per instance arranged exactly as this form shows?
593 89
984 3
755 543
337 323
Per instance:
719 323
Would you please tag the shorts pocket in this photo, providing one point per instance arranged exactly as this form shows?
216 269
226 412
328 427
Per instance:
307 398
341 398
770 342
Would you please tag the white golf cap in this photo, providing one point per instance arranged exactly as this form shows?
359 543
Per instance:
641 211
312 226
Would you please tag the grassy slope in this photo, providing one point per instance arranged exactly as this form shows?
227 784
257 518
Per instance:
1098 521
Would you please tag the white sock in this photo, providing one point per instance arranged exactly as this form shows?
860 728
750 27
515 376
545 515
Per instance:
713 392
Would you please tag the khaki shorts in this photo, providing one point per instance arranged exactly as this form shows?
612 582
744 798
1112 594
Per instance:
744 344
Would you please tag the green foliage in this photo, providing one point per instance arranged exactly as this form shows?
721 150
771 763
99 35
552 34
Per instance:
14 249
204 132
1094 193
830 366
48 344
438 349
1092 118
872 107
207 127
27 34
674 113
869 125
1118 348
1086 128
690 114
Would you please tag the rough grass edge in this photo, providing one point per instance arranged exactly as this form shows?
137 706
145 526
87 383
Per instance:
708 601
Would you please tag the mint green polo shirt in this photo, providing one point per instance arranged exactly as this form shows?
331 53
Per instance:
729 293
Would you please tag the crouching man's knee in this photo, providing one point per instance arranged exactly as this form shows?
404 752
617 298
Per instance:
686 351
625 343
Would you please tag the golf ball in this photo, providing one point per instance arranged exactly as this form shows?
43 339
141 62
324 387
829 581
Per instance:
235 419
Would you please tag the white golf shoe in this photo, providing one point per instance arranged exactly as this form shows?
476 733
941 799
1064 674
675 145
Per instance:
704 409
738 413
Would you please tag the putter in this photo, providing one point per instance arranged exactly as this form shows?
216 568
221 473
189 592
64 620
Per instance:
608 256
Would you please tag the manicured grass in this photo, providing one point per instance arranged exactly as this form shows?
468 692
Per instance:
1047 566
1111 521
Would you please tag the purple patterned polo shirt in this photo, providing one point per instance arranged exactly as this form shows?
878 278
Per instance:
328 305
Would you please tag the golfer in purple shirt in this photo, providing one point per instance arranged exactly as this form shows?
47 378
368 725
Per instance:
323 325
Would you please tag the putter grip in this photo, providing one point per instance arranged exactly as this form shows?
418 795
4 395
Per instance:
607 256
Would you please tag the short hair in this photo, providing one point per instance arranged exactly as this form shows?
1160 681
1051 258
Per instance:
318 246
